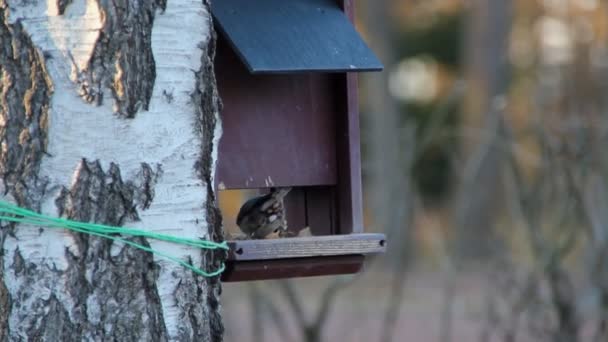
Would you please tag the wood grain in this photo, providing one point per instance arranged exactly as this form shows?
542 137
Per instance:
300 247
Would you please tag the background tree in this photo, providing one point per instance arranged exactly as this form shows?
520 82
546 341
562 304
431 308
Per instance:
108 114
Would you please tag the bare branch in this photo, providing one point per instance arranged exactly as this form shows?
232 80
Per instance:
291 295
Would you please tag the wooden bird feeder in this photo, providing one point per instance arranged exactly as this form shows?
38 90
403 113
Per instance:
286 72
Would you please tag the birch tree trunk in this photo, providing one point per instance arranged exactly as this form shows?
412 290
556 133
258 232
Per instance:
108 114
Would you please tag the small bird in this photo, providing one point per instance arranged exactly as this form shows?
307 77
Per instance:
263 215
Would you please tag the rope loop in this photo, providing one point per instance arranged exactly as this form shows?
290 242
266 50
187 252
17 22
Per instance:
13 213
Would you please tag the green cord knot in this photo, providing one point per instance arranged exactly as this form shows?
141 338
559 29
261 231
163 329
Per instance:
13 213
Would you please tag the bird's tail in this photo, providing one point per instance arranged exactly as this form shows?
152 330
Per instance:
279 193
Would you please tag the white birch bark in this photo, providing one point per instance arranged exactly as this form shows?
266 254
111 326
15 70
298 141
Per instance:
108 114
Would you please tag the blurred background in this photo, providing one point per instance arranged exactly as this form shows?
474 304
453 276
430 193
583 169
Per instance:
483 163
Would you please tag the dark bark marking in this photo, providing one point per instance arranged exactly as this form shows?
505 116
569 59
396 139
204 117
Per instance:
44 318
123 286
5 304
122 58
111 200
208 103
107 288
25 91
188 298
97 196
56 326
18 265
114 296
144 184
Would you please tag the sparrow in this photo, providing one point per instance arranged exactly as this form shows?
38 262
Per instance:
263 215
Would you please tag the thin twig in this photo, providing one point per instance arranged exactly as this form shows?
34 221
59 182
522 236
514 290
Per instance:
291 295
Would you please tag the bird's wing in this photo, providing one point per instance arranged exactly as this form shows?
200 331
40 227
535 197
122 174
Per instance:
249 207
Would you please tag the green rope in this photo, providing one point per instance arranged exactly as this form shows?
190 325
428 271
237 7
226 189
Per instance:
12 213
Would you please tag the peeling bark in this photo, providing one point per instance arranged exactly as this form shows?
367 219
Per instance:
25 90
122 59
